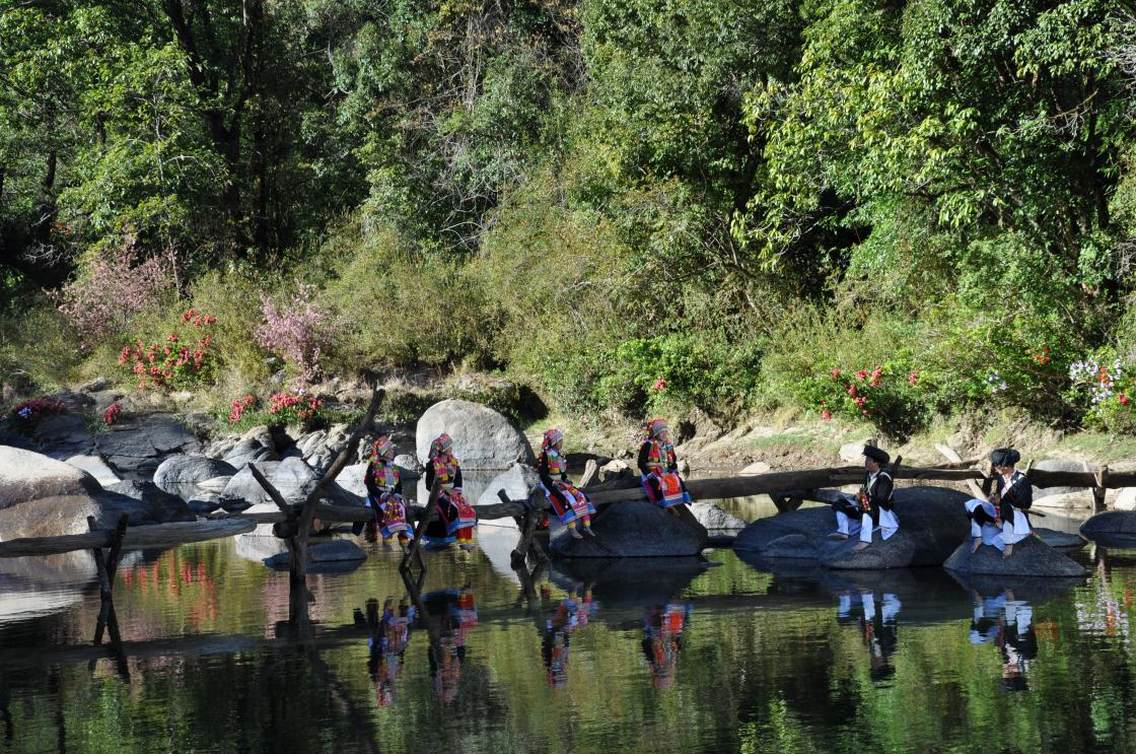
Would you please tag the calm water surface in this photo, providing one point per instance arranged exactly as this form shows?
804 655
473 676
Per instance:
651 656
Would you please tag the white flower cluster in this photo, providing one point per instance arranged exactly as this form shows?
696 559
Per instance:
1097 377
995 382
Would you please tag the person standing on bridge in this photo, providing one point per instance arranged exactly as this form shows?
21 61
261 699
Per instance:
570 504
872 507
659 466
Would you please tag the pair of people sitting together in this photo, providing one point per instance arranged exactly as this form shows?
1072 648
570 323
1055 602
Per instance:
658 466
999 521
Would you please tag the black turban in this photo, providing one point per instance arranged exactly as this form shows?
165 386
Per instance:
1005 457
876 454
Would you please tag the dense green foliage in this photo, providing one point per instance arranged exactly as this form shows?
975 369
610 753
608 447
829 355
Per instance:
641 205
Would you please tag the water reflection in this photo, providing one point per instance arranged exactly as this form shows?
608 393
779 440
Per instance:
389 634
877 618
663 627
1006 622
451 614
561 620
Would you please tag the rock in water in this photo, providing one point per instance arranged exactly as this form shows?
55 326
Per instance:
933 523
483 438
635 529
1031 557
95 466
714 518
134 450
1111 529
26 475
292 478
336 556
1062 540
180 473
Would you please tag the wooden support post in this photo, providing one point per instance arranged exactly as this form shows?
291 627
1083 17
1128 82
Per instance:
1100 489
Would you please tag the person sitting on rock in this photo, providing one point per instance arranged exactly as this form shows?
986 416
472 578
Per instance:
1014 497
570 504
870 509
384 493
454 518
659 466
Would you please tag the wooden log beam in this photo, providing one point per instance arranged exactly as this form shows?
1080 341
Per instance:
153 536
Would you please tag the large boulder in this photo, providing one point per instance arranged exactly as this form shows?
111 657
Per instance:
1031 557
1111 529
134 450
26 475
292 478
635 529
249 450
1062 540
933 523
483 438
144 502
179 474
1125 499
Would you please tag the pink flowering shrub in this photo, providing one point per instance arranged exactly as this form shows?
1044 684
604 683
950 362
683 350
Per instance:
180 360
292 408
115 288
298 331
887 395
239 406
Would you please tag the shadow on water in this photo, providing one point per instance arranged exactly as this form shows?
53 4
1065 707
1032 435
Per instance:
628 582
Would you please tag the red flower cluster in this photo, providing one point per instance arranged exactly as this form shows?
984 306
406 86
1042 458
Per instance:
913 378
287 404
1123 399
858 387
198 319
171 362
240 405
1042 357
110 416
660 385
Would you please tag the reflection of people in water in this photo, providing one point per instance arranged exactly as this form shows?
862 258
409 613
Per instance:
663 627
879 627
568 616
1007 623
389 635
447 656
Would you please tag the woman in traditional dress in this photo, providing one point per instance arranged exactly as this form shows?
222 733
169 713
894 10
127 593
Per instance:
571 505
454 518
659 466
384 493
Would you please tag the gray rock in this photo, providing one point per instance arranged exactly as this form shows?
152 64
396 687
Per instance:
615 469
63 435
144 503
715 519
26 475
203 507
517 481
179 472
933 523
634 529
1111 529
757 467
340 551
1061 540
853 452
95 385
248 451
1057 464
1125 499
483 438
352 479
292 478
221 447
94 466
1031 557
135 450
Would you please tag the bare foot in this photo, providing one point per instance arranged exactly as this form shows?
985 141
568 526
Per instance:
575 534
589 532
975 545
838 535
1008 551
860 547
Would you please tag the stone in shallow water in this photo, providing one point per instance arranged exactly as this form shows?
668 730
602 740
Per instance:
179 471
1111 529
483 438
635 529
151 504
1031 557
1062 540
337 551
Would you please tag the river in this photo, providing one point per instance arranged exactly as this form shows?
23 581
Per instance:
639 656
